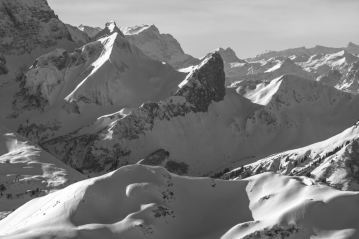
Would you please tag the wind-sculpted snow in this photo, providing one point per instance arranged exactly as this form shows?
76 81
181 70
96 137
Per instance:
27 172
149 202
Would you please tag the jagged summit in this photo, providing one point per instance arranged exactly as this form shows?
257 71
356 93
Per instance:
229 56
110 28
159 46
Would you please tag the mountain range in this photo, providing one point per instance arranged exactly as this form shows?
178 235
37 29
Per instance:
117 132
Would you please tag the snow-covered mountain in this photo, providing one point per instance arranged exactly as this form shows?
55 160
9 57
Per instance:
63 92
29 28
204 127
27 172
321 64
149 202
351 48
90 31
159 46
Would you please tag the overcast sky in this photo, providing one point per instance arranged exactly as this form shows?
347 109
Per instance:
247 26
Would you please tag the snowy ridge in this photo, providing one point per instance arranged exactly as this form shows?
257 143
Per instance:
333 161
157 204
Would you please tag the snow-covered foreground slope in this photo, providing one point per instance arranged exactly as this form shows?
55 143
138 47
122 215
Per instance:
26 171
351 48
204 127
63 92
148 202
159 46
334 161
29 28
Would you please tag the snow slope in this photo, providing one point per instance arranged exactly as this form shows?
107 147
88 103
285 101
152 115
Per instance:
148 202
27 171
159 46
63 92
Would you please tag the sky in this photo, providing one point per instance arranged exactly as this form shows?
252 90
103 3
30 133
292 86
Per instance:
249 27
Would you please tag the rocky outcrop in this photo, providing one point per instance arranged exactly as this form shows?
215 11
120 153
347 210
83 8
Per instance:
29 24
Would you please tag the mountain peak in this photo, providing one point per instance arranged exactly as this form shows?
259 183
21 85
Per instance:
110 27
228 55
351 44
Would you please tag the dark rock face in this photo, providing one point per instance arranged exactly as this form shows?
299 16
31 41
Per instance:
91 154
3 68
26 25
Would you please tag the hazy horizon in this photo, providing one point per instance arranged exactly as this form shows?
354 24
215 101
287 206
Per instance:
248 27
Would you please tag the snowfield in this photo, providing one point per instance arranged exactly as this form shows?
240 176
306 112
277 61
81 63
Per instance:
149 202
